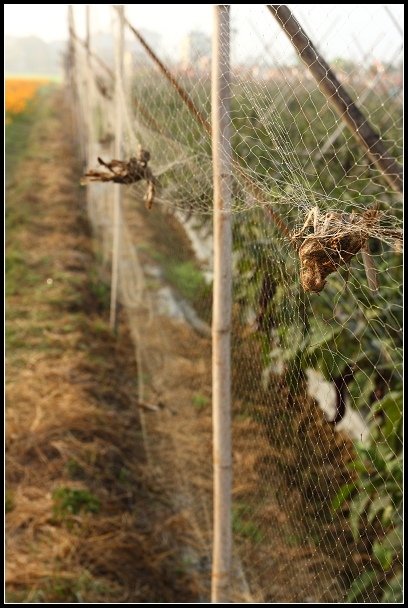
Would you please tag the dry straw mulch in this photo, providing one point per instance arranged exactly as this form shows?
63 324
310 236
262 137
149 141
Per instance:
73 426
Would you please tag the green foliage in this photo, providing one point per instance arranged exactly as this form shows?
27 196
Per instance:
74 469
328 332
200 401
390 407
377 502
186 277
346 324
393 591
242 525
100 291
58 588
9 501
68 501
342 495
20 277
361 584
124 476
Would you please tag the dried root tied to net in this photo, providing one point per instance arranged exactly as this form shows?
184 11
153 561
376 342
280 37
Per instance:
126 172
335 239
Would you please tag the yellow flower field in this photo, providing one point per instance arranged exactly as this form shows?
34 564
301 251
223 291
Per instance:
19 91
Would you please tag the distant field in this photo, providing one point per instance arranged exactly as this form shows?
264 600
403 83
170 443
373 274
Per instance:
20 89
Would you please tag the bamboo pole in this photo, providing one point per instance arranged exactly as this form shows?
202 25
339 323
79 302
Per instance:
330 86
222 300
70 56
117 191
89 89
74 86
71 47
93 55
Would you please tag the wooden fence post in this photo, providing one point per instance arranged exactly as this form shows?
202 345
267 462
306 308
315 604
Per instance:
222 299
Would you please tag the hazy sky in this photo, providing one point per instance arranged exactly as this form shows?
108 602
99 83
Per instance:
347 30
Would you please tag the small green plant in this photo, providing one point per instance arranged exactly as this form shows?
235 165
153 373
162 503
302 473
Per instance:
74 469
200 401
375 499
124 476
245 527
100 327
99 290
187 278
60 589
9 501
68 501
14 339
19 275
293 540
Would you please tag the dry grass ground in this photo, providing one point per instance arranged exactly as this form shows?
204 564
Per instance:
84 521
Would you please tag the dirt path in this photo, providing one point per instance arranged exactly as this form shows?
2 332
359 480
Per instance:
85 522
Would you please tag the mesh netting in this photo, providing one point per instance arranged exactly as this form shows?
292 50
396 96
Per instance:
317 300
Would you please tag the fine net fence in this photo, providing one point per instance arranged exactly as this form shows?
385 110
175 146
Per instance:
317 285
